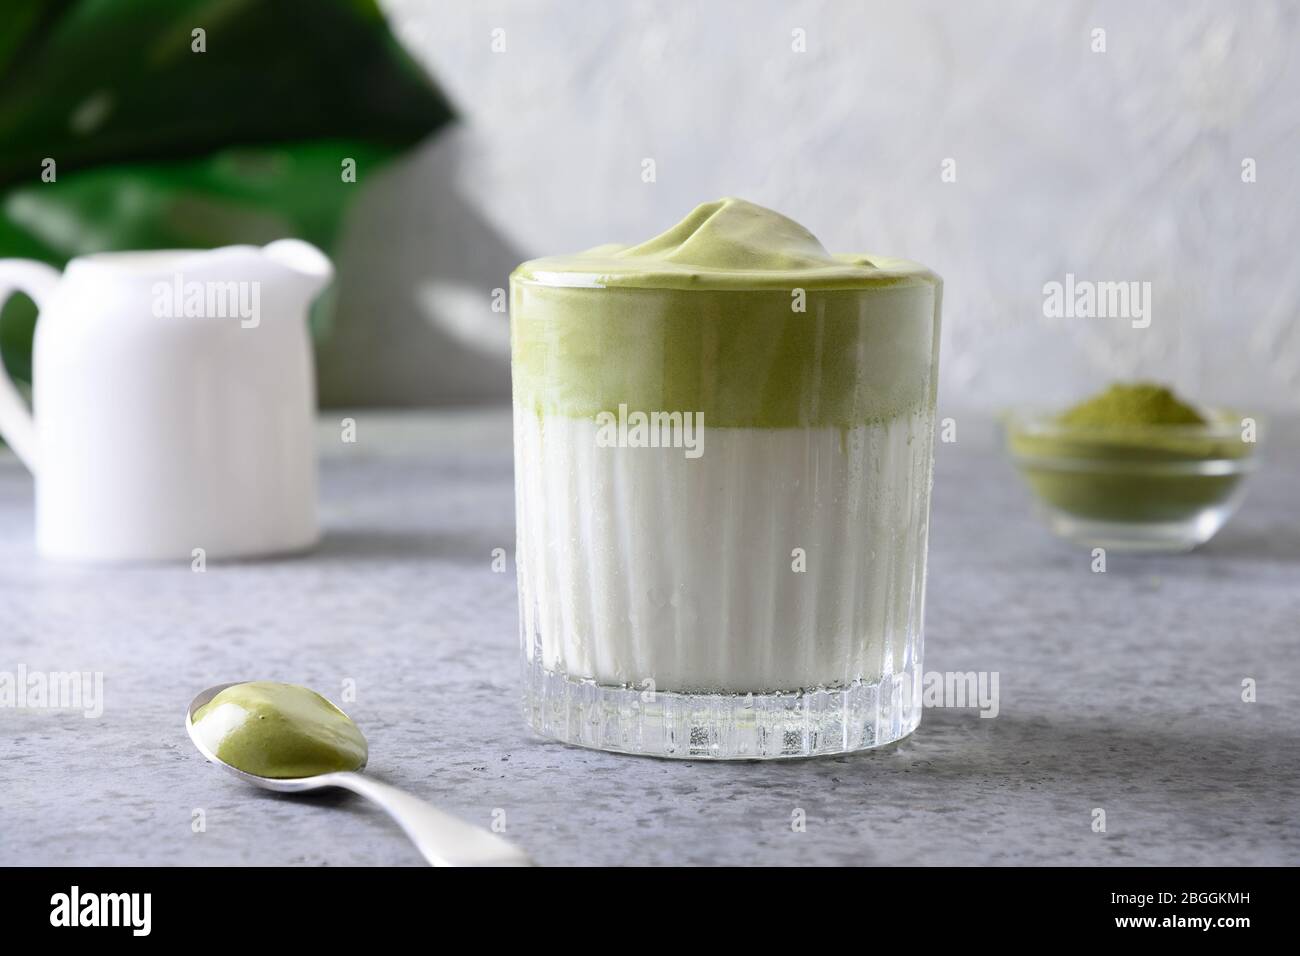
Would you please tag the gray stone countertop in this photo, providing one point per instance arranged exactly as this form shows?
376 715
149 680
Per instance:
1120 691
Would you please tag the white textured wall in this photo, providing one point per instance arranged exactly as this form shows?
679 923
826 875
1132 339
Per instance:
1117 165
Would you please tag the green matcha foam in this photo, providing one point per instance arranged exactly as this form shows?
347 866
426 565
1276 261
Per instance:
279 730
736 312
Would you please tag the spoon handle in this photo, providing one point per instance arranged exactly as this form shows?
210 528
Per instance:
443 839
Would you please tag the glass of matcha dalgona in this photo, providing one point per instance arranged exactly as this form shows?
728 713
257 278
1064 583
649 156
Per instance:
723 457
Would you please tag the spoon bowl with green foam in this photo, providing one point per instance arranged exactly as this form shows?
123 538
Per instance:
290 739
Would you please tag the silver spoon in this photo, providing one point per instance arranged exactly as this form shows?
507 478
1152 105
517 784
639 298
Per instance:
441 838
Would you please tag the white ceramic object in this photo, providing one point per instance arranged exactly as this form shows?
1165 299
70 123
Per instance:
173 402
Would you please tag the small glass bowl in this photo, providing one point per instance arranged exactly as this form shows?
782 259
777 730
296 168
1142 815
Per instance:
1133 488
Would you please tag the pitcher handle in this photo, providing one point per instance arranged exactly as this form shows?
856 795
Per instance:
37 280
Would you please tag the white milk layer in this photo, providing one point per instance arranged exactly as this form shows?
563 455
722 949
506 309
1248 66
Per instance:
778 560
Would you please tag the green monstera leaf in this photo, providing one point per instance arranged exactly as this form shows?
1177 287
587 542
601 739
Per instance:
191 123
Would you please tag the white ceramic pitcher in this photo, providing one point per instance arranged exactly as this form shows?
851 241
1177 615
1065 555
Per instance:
173 402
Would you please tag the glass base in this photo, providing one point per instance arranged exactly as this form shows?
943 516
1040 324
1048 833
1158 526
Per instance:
804 723
1150 536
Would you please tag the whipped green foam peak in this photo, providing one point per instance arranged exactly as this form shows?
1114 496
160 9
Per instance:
736 312
731 234
728 243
